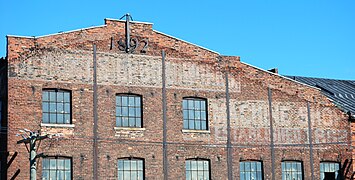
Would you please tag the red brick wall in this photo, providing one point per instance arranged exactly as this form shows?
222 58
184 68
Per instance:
65 61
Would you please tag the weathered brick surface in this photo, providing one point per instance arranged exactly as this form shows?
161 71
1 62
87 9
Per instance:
65 61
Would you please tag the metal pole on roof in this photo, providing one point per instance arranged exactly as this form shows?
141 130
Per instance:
127 33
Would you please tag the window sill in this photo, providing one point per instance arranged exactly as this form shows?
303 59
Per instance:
58 125
196 131
128 129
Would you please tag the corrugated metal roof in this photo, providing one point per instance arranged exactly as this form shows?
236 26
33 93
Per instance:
341 92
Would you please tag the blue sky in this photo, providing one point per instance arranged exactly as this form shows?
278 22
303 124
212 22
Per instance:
313 38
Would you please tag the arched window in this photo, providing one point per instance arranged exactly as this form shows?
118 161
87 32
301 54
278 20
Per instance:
56 106
129 110
251 170
131 169
195 113
197 169
292 170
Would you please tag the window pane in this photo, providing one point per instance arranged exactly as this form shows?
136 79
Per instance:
118 111
125 122
140 175
138 101
131 101
132 112
133 175
120 175
191 125
203 125
191 115
45 118
124 101
52 96
45 164
60 119
67 175
138 112
197 124
138 122
53 107
52 118
186 124
120 165
125 111
118 121
132 122
197 115
60 175
52 175
140 165
184 104
45 175
45 96
60 97
186 114
67 107
197 105
127 175
193 175
190 104
67 164
67 118
66 97
45 107
60 164
203 105
203 115
193 165
60 108
118 100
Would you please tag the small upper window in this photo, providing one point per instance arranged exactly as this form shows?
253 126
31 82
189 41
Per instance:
195 113
251 170
292 170
56 106
56 168
197 169
129 110
329 169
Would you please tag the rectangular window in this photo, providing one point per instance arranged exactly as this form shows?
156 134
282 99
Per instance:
129 110
329 169
197 169
56 106
56 168
195 113
251 170
292 170
130 169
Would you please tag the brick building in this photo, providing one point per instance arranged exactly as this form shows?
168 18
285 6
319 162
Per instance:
124 108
